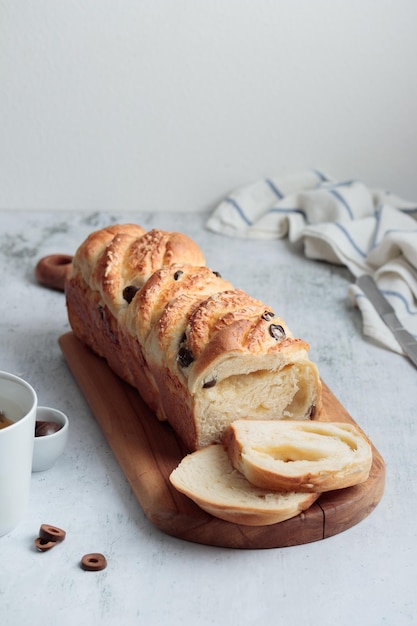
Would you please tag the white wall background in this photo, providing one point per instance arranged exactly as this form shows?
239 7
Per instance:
170 104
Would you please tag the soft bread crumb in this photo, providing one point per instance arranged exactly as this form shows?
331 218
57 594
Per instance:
209 479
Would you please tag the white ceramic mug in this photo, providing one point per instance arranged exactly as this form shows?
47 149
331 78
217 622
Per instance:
18 402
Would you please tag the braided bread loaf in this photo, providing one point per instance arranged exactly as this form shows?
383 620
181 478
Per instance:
200 352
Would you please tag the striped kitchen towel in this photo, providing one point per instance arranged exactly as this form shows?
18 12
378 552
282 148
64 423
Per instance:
343 222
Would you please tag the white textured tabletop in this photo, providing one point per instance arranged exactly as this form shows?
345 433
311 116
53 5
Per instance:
365 575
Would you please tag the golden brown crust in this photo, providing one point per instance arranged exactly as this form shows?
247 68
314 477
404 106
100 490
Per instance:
162 288
94 324
119 256
109 276
90 250
125 255
200 352
246 337
218 311
159 248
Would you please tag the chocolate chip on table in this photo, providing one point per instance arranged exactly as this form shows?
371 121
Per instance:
43 428
43 544
51 533
129 293
49 536
93 562
277 331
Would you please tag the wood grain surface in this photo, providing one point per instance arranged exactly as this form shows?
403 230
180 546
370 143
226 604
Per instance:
148 450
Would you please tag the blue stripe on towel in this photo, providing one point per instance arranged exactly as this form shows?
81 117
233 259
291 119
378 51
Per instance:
274 188
234 204
377 225
400 230
398 295
343 183
387 232
341 199
347 235
277 209
321 176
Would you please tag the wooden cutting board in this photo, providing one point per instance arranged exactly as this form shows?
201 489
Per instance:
148 450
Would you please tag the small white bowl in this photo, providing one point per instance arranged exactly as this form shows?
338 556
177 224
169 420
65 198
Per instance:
48 448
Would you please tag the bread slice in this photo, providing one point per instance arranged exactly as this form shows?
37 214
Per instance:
209 479
307 456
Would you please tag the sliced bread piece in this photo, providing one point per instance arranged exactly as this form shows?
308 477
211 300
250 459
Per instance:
209 479
306 456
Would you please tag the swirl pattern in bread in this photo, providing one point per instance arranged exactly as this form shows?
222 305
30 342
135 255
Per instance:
308 456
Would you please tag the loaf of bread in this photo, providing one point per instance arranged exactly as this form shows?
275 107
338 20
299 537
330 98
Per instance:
200 352
299 455
208 478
